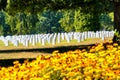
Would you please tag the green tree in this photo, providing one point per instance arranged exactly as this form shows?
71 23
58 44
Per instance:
40 28
49 21
76 20
117 14
22 23
31 21
3 4
4 27
67 20
96 7
106 21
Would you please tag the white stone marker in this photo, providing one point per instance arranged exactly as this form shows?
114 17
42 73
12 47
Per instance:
33 41
43 41
67 38
54 39
82 37
58 38
5 42
62 36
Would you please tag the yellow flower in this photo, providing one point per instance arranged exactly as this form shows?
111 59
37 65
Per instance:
73 65
115 44
88 78
16 62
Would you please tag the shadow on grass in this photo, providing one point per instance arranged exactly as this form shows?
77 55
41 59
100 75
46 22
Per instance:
61 49
9 62
47 50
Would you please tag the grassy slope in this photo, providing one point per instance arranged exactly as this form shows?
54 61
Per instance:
62 43
16 55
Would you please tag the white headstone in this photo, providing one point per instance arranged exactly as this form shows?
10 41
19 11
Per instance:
62 36
33 41
58 38
67 38
43 41
6 42
82 37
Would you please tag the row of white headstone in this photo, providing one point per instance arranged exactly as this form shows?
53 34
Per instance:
54 37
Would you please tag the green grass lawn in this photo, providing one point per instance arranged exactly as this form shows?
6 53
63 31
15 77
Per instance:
26 55
47 45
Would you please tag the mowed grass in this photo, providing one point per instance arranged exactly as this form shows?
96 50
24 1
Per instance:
26 55
47 45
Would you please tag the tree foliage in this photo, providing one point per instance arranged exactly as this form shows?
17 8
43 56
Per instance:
33 6
3 4
51 23
4 28
22 23
106 21
37 5
75 20
47 16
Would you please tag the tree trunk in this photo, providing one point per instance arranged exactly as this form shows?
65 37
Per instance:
117 16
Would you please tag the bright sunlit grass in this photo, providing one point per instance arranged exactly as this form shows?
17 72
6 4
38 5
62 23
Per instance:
47 45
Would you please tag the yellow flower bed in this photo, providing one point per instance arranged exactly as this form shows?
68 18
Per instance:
95 63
